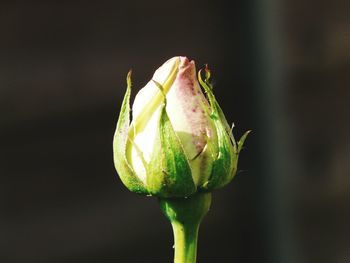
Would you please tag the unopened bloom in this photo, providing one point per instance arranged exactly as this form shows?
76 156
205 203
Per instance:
178 141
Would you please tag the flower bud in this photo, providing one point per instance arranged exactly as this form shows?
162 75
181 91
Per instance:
178 141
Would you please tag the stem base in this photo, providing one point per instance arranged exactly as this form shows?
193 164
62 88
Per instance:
185 216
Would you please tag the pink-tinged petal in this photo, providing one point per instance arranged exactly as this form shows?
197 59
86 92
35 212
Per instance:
187 109
186 105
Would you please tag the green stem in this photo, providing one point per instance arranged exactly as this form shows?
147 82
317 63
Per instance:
185 215
185 237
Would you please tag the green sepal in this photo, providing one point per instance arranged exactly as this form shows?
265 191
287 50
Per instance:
168 172
239 148
125 171
225 165
242 140
215 107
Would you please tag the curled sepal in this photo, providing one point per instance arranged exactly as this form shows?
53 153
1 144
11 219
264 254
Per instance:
242 140
225 165
125 171
238 150
216 109
169 172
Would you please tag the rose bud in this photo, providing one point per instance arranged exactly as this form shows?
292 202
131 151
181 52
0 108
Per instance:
178 142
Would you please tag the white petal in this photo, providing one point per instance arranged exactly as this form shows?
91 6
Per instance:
144 141
146 111
146 94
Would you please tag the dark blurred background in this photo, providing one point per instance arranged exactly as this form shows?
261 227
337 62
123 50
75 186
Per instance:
280 68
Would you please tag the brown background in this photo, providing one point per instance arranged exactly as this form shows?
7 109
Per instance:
281 68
